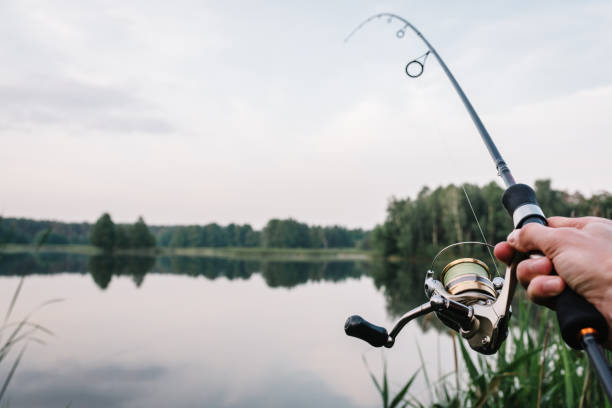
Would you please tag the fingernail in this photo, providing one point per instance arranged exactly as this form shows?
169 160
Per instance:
552 286
512 237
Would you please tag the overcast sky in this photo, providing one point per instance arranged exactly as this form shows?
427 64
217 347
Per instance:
194 111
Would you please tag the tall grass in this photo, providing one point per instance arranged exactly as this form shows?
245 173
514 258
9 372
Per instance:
533 368
18 335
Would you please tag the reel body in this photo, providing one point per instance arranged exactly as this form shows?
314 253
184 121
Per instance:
464 298
468 282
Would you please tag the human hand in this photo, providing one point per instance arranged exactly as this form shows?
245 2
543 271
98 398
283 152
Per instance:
580 250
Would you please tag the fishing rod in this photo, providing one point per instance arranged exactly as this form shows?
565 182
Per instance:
463 295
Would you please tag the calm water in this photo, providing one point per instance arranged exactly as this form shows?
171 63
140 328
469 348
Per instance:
202 332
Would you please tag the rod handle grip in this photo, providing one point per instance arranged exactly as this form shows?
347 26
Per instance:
357 326
574 312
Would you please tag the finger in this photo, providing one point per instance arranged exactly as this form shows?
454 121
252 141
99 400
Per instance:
534 237
580 222
542 288
504 252
528 269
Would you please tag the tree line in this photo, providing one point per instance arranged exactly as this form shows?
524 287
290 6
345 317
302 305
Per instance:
420 225
209 235
439 217
104 233
290 233
28 231
277 233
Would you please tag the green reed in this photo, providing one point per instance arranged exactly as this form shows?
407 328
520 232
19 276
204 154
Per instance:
533 368
18 334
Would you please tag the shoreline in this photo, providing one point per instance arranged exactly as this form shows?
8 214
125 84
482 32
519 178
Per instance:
280 254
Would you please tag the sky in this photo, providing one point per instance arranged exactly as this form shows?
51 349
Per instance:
190 112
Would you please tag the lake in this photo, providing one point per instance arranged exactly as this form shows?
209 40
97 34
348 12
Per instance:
212 332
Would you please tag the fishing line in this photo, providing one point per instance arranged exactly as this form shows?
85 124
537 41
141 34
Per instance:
453 158
481 231
454 245
414 69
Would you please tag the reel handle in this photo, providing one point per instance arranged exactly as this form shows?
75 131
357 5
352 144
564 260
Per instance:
357 326
574 312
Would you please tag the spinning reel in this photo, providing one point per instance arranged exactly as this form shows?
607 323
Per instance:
464 297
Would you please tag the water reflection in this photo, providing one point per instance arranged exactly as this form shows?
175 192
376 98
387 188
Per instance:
159 339
104 267
87 387
401 283
132 387
25 264
211 268
290 274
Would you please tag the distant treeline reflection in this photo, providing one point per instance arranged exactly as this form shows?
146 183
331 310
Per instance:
103 268
400 283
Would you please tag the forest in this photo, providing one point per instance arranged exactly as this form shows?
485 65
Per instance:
436 218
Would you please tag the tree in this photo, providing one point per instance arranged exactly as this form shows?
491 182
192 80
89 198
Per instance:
215 236
43 237
122 237
102 233
251 238
287 233
164 237
140 236
179 238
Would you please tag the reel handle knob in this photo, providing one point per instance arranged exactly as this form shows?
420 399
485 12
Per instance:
357 326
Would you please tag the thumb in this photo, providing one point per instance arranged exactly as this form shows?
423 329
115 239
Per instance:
534 237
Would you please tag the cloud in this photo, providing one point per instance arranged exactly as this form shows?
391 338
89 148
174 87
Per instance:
44 101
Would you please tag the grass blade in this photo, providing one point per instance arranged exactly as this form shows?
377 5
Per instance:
400 395
472 371
12 371
567 377
13 300
425 372
374 380
385 393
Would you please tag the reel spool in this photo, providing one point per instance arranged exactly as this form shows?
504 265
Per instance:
466 275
